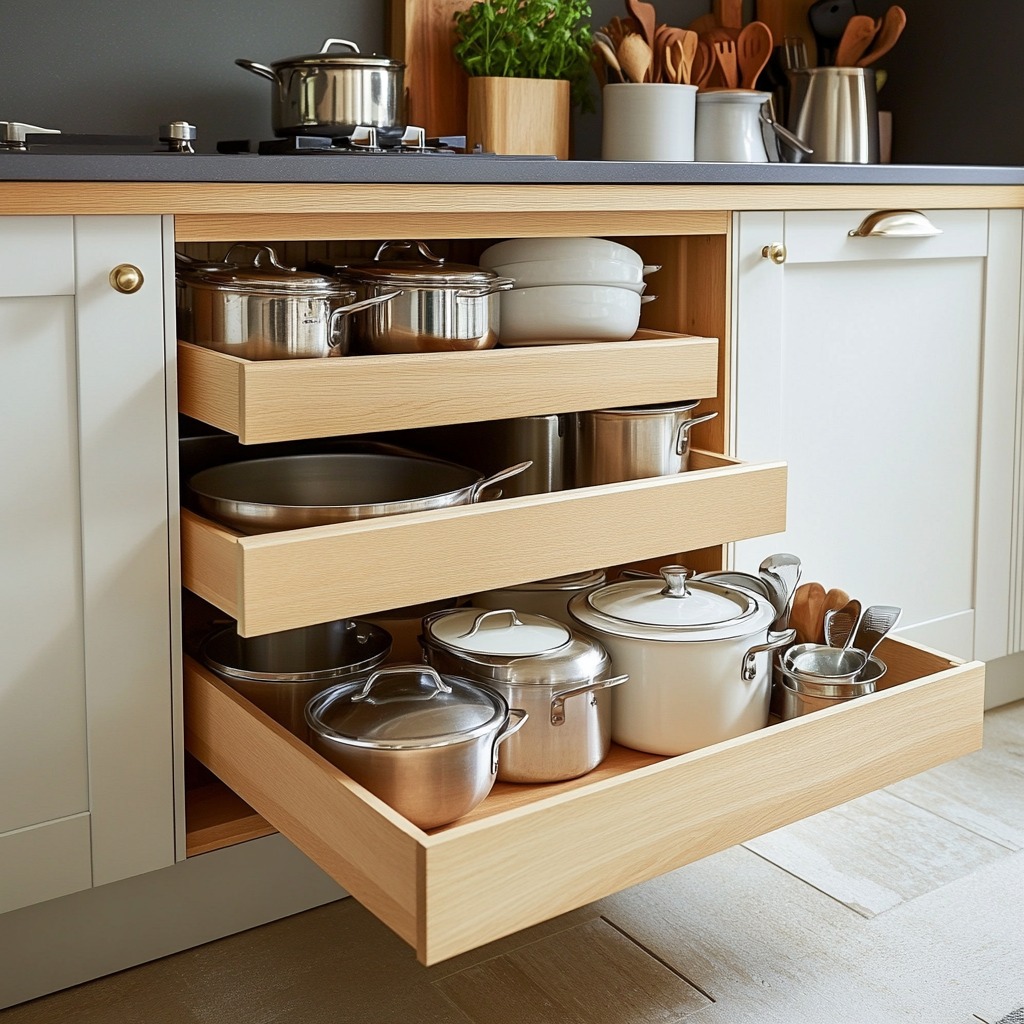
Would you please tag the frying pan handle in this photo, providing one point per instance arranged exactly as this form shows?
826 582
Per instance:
257 69
506 474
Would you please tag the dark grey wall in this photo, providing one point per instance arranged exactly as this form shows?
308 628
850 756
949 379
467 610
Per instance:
126 68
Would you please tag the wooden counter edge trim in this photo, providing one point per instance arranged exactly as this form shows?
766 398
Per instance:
357 839
198 199
660 818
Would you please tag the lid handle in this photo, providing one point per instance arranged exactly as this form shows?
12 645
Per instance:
407 245
440 686
328 43
676 578
514 621
262 252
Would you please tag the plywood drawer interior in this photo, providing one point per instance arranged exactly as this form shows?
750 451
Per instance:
528 853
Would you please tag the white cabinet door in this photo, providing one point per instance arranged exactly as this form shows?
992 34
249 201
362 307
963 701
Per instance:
859 361
86 780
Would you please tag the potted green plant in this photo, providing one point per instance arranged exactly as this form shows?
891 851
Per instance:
528 63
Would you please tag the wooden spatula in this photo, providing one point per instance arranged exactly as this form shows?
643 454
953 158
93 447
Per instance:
635 58
647 18
857 37
894 21
753 48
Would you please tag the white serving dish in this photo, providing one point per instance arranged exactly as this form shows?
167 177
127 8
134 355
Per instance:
577 270
569 313
524 250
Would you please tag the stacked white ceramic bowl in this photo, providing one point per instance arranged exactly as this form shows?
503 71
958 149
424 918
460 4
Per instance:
568 290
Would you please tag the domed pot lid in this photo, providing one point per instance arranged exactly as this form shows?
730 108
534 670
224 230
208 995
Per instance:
497 633
675 607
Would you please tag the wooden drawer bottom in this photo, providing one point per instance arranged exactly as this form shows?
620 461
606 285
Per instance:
528 853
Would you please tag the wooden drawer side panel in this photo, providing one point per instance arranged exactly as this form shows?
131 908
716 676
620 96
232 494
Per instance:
290 399
363 567
210 562
356 839
531 865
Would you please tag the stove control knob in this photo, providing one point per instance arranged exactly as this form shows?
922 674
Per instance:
12 134
179 136
126 278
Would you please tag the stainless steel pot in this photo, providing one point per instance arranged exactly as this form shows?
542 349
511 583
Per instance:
293 491
331 93
442 307
265 310
634 442
558 676
424 743
698 655
548 597
280 672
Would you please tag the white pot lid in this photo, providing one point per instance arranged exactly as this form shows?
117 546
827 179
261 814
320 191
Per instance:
674 607
501 632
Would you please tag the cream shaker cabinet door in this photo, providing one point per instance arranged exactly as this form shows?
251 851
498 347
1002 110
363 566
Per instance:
861 359
86 794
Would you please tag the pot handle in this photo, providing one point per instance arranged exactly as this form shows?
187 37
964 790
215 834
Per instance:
440 686
328 43
354 307
257 69
649 268
644 299
779 640
498 284
421 247
558 699
506 474
683 436
510 729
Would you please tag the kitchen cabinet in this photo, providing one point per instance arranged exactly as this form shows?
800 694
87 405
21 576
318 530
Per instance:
86 729
527 852
886 369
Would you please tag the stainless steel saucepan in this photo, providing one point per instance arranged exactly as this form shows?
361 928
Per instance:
293 491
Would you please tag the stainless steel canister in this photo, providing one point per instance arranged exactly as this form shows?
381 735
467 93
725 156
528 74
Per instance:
612 445
559 677
835 111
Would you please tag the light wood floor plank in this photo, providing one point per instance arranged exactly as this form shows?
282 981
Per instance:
592 974
876 852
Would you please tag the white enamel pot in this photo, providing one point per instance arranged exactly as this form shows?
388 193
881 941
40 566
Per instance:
698 657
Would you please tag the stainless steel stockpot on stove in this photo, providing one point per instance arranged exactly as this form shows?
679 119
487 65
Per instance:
425 743
555 674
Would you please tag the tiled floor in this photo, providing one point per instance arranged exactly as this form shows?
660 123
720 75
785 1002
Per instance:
902 906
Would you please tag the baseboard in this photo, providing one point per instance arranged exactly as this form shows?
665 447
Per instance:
89 934
1004 680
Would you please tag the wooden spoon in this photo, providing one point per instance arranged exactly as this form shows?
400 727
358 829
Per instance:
753 48
687 52
703 65
808 612
604 50
646 17
857 36
894 21
635 58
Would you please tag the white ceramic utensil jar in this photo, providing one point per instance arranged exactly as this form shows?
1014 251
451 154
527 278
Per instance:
729 127
648 121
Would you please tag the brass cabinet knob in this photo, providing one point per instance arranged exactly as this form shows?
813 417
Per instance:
126 278
776 252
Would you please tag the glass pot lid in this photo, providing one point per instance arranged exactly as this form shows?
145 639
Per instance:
675 607
352 58
500 632
429 269
406 706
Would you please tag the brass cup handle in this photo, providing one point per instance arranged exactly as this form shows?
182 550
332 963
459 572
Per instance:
776 252
126 278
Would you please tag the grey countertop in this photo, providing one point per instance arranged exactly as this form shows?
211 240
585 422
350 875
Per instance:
474 170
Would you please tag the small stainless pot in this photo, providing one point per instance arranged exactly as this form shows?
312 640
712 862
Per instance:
289 492
424 743
631 443
280 672
558 676
331 93
442 307
265 310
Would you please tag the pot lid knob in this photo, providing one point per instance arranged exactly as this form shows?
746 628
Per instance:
675 577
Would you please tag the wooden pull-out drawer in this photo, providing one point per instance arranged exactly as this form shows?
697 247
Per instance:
289 399
528 853
298 577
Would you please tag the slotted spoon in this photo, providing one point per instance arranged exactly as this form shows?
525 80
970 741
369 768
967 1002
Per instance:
877 620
